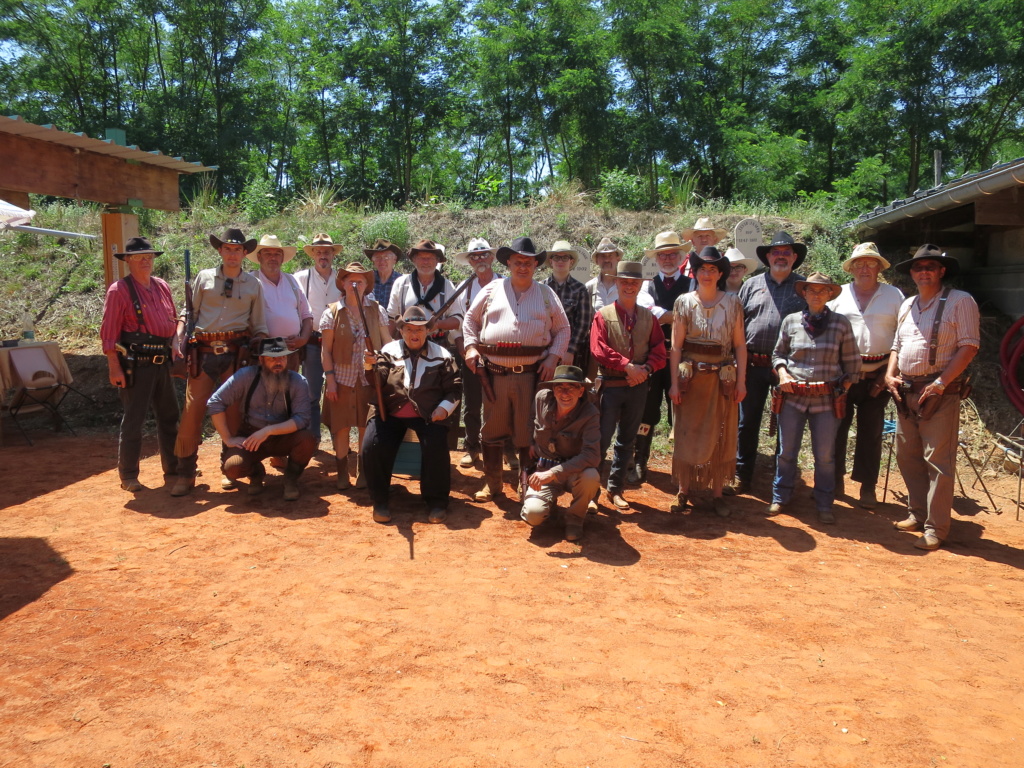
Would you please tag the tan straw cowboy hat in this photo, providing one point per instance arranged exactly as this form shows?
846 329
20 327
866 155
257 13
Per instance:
272 241
321 239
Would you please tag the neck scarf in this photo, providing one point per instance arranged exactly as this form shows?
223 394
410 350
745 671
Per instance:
815 324
435 288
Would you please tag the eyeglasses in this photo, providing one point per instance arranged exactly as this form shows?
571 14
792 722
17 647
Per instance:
229 285
925 268
140 256
479 255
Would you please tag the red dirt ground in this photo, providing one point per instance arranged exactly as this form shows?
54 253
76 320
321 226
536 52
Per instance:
222 631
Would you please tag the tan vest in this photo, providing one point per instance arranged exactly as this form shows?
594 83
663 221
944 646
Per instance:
619 340
341 351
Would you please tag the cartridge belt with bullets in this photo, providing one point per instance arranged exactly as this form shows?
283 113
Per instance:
510 349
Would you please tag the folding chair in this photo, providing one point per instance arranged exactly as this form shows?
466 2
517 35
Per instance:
1012 446
40 388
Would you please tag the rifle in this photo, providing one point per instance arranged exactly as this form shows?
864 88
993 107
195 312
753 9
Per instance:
182 369
376 374
447 305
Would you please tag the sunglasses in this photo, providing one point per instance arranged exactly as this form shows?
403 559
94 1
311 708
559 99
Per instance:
229 285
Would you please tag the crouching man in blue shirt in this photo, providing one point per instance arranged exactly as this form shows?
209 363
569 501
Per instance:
275 409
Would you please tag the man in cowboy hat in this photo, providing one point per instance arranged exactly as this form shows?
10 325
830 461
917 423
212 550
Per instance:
872 308
741 266
319 285
384 254
479 257
275 409
817 360
228 313
565 437
629 346
421 391
562 258
701 235
349 390
937 336
517 331
425 287
287 309
139 321
766 298
667 286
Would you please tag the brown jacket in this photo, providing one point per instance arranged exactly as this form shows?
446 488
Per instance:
573 442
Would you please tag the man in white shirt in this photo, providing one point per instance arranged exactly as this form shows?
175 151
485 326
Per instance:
872 308
318 285
425 287
285 307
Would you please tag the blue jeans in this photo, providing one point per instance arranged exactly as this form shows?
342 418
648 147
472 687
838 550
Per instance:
313 370
621 407
823 444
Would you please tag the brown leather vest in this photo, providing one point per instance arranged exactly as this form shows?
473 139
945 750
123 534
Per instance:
341 351
618 338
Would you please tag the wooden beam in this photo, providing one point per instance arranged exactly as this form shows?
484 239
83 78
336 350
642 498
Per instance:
1003 209
44 168
19 199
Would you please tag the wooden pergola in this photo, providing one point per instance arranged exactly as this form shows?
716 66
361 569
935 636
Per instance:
40 159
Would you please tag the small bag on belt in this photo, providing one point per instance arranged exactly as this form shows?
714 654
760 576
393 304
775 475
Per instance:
685 376
727 380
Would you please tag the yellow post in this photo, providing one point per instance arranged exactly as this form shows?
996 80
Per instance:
118 229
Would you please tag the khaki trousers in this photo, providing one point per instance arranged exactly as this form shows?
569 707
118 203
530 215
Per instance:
926 454
511 413
190 429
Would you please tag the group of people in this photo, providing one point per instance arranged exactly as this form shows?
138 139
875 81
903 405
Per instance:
548 374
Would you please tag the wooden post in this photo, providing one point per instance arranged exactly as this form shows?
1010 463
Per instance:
118 229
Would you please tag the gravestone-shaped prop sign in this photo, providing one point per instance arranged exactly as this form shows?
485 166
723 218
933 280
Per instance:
747 236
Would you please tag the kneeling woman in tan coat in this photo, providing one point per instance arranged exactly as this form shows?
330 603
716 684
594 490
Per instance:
348 393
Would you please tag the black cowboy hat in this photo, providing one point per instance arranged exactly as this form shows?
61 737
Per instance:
524 247
137 245
711 255
233 237
931 252
782 238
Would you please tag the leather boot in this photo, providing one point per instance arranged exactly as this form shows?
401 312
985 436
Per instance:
343 482
511 457
492 454
292 472
360 477
525 467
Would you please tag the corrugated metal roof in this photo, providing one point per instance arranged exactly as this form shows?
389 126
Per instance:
953 194
15 125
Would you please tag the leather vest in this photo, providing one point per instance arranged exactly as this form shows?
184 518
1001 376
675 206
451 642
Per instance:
619 340
341 351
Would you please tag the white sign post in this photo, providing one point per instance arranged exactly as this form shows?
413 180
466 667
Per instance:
748 236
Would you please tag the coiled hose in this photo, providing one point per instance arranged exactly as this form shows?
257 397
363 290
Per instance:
1010 352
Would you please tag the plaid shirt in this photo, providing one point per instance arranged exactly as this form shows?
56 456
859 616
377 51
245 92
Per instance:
382 290
576 302
825 358
765 302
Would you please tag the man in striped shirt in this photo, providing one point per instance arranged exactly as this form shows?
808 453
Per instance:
515 330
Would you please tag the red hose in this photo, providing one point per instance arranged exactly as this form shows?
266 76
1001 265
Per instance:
1010 354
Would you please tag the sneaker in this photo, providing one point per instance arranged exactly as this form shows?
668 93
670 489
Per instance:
739 487
437 515
470 459
910 524
132 485
774 509
381 513
826 516
183 486
868 500
928 541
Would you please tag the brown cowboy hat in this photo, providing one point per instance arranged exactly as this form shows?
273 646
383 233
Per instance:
233 237
355 268
428 246
931 252
817 278
383 245
414 315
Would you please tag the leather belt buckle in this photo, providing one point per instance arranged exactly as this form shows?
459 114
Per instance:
518 369
220 347
158 359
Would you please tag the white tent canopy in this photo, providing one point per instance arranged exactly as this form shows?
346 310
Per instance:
13 216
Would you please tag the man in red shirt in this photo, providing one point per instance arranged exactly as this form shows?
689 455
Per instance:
139 320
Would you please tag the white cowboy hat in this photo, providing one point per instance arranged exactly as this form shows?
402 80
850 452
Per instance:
476 245
319 240
272 241
667 241
865 251
705 225
735 255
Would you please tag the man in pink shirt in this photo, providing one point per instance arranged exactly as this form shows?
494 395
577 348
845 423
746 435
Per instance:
139 320
285 305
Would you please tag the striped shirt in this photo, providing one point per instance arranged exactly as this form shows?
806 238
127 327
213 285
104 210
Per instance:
814 359
765 302
959 328
158 313
875 326
576 303
319 292
535 319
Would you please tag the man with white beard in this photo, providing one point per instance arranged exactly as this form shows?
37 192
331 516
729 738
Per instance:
275 420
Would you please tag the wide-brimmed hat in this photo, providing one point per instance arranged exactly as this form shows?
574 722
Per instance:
931 252
524 247
783 238
137 245
476 245
667 241
427 246
413 316
383 245
320 240
272 241
705 225
568 374
607 246
865 251
630 270
709 255
735 256
274 347
563 246
233 237
355 268
817 278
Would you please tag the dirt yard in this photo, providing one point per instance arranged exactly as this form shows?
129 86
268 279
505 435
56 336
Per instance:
222 631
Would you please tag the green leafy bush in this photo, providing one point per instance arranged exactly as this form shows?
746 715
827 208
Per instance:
620 189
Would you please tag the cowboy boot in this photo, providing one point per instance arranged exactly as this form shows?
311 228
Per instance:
511 458
343 482
360 476
292 472
492 473
525 467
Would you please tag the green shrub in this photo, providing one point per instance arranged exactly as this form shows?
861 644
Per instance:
388 225
620 189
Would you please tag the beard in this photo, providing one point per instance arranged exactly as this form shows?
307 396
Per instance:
275 383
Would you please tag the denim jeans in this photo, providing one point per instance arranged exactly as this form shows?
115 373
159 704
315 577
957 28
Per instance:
823 442
759 382
313 370
621 407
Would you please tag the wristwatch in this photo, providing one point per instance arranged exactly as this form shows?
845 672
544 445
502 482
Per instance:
939 383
